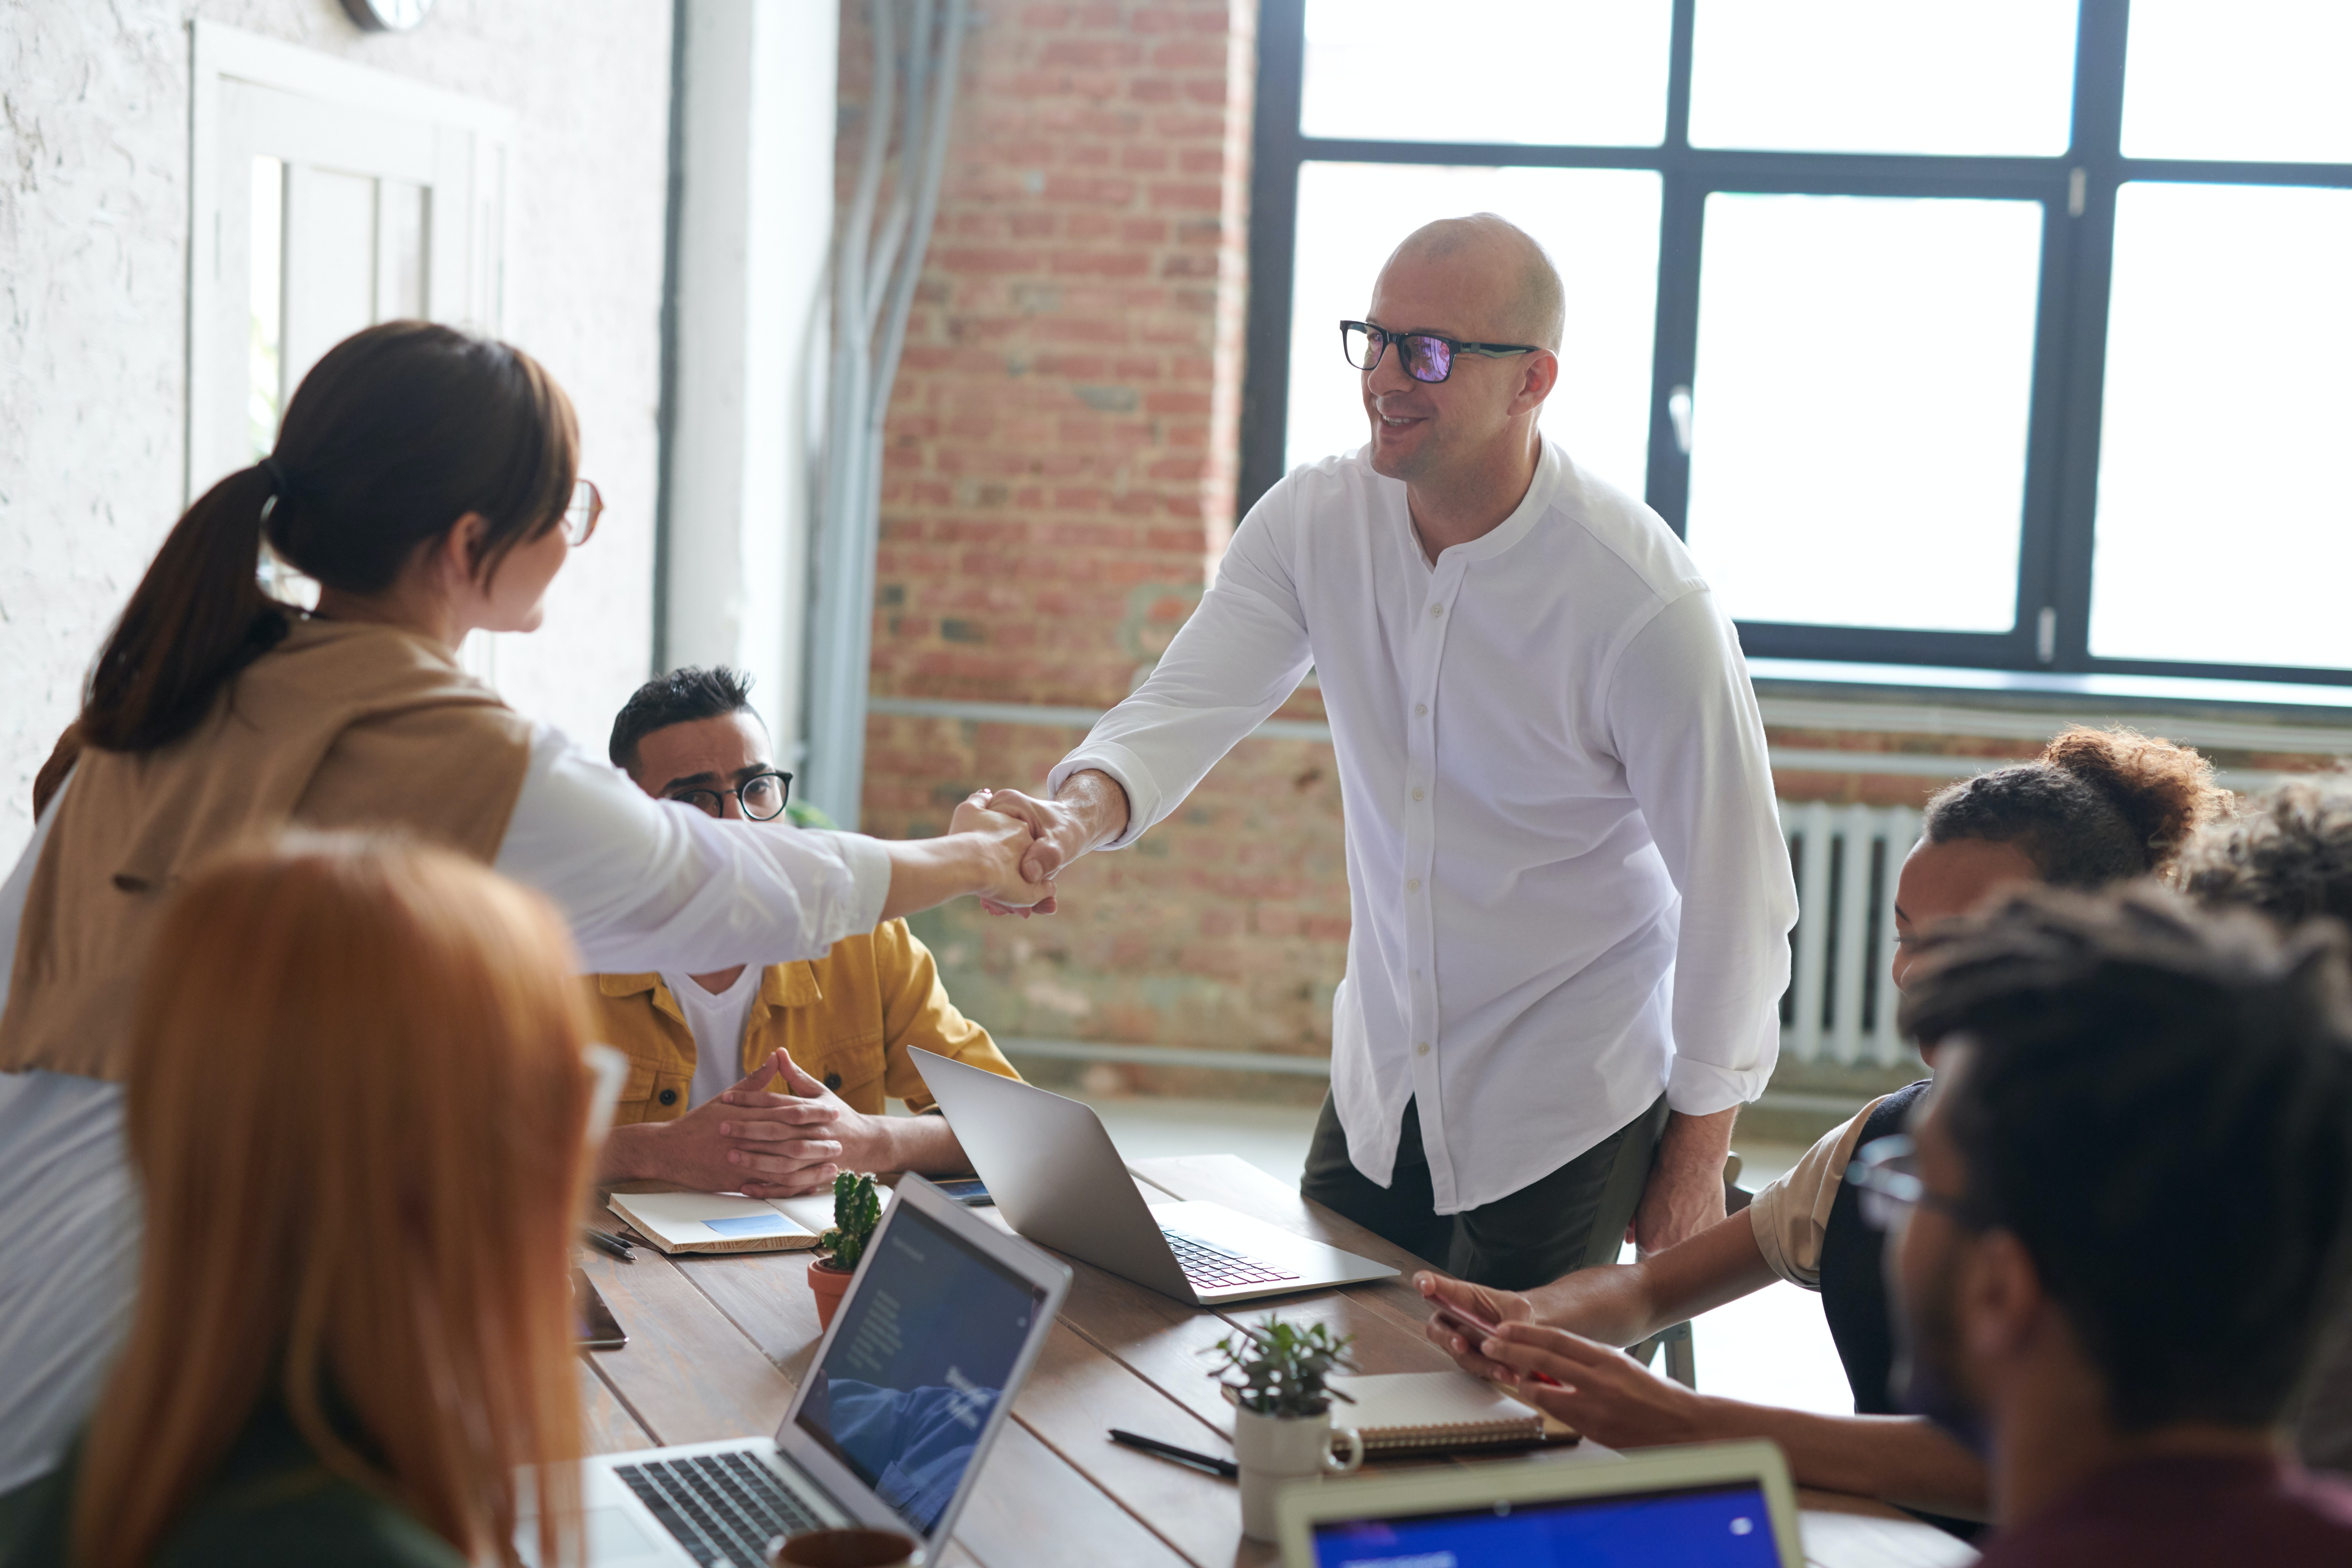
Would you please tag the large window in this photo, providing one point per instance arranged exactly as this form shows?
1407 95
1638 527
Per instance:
2016 334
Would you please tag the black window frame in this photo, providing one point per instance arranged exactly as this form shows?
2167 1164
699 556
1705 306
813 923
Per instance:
2077 192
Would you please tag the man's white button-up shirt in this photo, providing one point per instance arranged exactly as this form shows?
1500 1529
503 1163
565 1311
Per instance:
1565 868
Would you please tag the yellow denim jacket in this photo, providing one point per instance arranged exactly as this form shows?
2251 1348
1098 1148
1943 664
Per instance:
847 1019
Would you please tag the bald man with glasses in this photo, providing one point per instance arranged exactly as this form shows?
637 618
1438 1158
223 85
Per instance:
1571 899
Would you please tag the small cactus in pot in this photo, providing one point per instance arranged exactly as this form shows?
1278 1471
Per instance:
856 1210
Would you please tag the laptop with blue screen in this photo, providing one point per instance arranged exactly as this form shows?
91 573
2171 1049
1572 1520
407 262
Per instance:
1707 1505
890 1425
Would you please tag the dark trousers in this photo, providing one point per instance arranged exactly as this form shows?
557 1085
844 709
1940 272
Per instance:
1573 1218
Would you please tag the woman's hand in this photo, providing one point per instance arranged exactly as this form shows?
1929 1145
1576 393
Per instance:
1448 1333
1004 842
1602 1392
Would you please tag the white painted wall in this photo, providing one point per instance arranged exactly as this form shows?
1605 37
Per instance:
754 235
93 279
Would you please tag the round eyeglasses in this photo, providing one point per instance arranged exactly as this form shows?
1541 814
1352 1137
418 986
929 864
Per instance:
1884 1174
580 516
1426 356
763 796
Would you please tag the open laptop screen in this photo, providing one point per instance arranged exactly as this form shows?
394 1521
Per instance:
1705 1527
924 1348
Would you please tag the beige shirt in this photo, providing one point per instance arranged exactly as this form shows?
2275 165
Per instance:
1791 1215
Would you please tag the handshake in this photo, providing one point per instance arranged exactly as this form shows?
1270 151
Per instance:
1021 843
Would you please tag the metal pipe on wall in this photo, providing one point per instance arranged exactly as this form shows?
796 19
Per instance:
876 262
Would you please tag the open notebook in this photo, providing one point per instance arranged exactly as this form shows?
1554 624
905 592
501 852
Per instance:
712 1222
1436 1412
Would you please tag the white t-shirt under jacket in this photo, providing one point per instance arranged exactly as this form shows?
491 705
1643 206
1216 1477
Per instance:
1565 866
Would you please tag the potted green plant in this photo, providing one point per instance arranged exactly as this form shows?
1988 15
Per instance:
1278 1377
856 1210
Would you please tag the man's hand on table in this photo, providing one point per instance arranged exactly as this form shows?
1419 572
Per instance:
1685 1193
1604 1393
1090 808
748 1139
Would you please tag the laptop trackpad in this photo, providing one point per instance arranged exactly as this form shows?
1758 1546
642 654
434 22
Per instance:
615 1538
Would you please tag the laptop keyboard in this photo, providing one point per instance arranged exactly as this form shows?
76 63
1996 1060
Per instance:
722 1508
1214 1269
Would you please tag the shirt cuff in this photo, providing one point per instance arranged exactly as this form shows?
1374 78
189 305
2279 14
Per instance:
870 875
1110 757
1694 1088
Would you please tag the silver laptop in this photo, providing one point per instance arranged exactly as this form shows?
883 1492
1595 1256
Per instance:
908 1389
1059 1181
1707 1505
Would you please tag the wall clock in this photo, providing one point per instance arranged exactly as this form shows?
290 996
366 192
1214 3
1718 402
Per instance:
388 15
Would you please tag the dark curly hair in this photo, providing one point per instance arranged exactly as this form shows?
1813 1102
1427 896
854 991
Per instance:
679 698
2287 853
2097 806
2145 1082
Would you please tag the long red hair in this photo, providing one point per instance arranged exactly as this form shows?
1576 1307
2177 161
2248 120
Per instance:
358 1109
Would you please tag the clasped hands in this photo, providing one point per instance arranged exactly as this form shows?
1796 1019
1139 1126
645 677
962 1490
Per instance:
765 1145
1596 1388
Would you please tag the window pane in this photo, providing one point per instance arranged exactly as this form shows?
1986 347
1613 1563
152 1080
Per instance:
1858 438
2224 526
1600 226
1407 70
2257 79
1992 77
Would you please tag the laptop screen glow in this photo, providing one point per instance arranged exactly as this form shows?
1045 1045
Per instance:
1707 1527
925 1346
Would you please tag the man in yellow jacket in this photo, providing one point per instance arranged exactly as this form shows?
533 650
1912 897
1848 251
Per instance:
768 1080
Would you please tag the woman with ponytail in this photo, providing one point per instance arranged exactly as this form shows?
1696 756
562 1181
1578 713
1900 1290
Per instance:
427 479
2097 807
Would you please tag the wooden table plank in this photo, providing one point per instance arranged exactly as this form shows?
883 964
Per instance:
687 1374
1073 1399
605 1425
1030 1508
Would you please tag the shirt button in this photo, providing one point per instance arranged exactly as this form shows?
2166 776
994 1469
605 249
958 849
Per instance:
668 1096
833 1080
1421 709
1420 1048
1436 609
1414 885
1416 795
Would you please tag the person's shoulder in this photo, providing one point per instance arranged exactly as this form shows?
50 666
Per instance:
303 1519
1339 484
1621 529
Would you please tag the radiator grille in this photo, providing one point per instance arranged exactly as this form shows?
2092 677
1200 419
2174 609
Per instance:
1840 1006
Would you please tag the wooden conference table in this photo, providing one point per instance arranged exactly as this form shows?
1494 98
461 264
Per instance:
715 1344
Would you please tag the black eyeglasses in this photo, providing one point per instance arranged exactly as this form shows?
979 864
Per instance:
580 517
1886 1172
763 796
1427 356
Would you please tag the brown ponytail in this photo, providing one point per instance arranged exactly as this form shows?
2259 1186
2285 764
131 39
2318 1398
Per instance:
2097 806
393 435
197 617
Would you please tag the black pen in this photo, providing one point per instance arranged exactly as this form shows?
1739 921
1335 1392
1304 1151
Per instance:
1208 1462
612 1246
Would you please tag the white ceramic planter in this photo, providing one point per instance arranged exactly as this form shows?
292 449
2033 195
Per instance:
1275 1451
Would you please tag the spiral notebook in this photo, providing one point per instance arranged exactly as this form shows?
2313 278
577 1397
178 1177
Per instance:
1438 1412
713 1222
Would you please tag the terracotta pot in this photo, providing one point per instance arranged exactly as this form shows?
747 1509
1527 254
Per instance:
827 1283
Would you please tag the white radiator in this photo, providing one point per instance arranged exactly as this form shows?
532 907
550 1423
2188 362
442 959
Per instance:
1840 1002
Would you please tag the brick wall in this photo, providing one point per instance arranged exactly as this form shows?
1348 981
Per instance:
1059 471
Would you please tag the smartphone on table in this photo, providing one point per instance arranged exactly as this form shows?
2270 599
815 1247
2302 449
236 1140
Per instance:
969 1191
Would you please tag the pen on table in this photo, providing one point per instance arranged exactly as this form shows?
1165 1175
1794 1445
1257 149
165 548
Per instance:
612 1246
1208 1462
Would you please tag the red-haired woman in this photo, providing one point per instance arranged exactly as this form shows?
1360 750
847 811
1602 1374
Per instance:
353 1330
428 479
